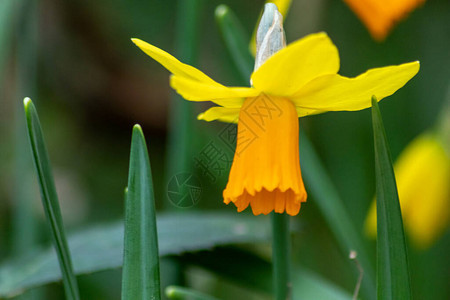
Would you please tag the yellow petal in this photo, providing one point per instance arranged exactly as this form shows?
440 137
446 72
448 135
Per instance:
172 64
289 69
336 93
282 5
200 91
224 114
230 102
304 112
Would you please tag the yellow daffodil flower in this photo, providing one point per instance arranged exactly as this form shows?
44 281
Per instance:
380 16
299 80
422 172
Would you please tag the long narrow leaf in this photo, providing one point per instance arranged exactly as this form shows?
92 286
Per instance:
100 247
392 263
50 199
140 275
236 40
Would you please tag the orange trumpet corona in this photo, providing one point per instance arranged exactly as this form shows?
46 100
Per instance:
266 169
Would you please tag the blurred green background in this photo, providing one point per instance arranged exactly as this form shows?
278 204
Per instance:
91 84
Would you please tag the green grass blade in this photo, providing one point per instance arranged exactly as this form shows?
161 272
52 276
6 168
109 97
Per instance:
236 40
180 293
392 264
140 275
50 199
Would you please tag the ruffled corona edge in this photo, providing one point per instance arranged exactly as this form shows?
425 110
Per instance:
265 173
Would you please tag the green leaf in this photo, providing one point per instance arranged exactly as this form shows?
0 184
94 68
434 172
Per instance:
140 275
50 199
236 40
100 248
180 293
392 262
247 269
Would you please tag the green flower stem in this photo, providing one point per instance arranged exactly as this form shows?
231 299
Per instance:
179 155
182 112
281 256
24 221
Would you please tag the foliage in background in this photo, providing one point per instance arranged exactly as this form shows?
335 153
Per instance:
91 102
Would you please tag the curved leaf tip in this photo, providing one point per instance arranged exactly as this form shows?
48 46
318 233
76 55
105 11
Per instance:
26 102
221 11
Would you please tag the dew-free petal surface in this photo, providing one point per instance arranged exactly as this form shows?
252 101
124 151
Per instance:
224 114
172 64
289 69
339 93
200 91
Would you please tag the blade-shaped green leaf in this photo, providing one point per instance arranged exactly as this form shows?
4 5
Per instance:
247 269
181 293
392 263
319 184
236 40
100 248
140 275
50 199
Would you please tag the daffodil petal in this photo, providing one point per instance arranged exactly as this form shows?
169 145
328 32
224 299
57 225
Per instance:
289 69
230 102
199 91
336 93
224 114
282 5
304 112
172 64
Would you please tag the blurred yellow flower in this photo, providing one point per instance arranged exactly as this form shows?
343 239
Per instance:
296 81
422 173
380 16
